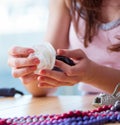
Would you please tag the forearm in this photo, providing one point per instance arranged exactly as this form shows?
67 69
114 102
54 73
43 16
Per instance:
103 77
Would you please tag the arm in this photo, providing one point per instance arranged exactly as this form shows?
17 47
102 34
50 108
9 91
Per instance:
84 70
58 24
57 33
105 78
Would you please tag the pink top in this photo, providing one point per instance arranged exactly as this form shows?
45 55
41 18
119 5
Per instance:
97 50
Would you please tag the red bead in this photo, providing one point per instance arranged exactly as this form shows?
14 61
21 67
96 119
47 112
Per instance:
78 113
3 122
70 113
64 115
84 114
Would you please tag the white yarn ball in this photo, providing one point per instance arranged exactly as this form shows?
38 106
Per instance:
46 54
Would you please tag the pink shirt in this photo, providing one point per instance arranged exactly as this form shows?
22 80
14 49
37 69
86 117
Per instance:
97 50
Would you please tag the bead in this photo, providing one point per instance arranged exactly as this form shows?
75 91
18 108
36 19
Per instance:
85 118
113 118
118 117
74 123
9 120
80 123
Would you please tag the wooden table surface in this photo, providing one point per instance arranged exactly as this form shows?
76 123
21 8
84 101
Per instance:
28 105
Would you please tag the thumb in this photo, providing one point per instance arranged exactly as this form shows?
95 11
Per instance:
75 54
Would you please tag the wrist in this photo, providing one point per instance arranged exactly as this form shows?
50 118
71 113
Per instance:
91 72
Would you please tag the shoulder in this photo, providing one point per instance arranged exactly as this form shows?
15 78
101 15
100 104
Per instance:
60 2
68 3
65 4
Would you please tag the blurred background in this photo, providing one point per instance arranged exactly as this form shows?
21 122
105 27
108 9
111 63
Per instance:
22 22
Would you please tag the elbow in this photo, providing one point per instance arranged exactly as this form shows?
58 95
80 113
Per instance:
43 92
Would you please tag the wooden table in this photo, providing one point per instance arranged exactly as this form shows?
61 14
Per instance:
28 105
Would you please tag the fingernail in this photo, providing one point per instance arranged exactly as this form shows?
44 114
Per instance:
60 51
33 68
30 51
36 60
42 78
43 72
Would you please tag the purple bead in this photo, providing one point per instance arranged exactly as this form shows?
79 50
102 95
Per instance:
73 123
113 118
80 123
43 123
66 120
92 117
54 121
118 118
79 119
32 123
99 117
61 124
60 120
73 118
15 120
85 118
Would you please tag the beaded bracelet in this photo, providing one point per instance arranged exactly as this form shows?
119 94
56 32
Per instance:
99 116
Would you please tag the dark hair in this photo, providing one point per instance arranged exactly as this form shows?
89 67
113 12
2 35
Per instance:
92 11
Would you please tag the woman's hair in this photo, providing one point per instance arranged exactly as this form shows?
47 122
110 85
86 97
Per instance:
90 10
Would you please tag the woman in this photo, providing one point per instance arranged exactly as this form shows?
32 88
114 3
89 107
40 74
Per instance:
88 31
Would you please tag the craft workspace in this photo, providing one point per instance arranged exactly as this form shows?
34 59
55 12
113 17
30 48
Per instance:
60 62
58 110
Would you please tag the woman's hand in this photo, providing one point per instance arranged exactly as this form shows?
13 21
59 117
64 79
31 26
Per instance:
81 71
22 66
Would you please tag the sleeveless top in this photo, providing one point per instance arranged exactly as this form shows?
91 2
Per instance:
108 34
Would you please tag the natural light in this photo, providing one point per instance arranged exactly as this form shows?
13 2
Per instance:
19 16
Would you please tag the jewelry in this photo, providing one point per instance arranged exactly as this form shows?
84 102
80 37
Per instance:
99 116
107 99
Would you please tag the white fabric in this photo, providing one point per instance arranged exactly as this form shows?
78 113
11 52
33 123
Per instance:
46 54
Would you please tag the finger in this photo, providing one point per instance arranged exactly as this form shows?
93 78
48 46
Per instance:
59 76
70 71
63 66
23 71
23 62
20 51
45 85
52 82
29 79
75 54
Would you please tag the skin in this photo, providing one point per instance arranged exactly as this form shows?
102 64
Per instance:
85 69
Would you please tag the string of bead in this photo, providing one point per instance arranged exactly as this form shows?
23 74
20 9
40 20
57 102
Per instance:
98 116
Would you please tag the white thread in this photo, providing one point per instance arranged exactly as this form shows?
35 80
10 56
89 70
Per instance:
46 54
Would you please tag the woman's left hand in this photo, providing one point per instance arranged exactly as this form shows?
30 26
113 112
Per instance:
81 71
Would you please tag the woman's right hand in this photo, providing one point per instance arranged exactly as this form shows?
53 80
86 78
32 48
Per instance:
22 66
